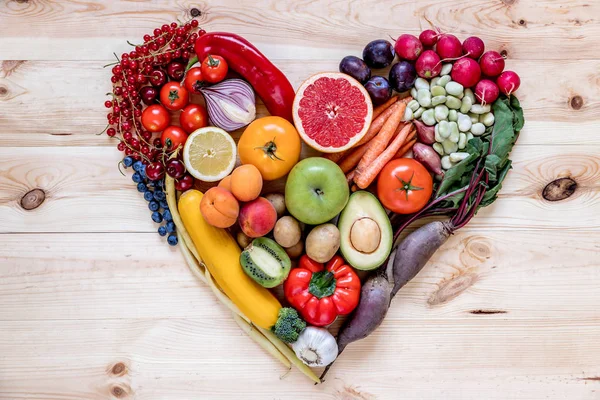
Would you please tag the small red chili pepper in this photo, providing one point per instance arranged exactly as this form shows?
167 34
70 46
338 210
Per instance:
321 294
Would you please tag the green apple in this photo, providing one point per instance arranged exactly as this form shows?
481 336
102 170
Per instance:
316 190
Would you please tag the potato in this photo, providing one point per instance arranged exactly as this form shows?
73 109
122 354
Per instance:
278 202
287 231
243 239
296 250
323 242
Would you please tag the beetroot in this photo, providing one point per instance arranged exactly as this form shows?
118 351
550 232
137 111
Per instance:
429 37
466 71
508 82
491 63
428 65
408 47
486 91
473 47
448 47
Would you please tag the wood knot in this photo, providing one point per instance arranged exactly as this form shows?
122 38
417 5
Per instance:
509 2
194 12
3 90
118 392
22 1
559 189
576 102
452 288
522 22
504 53
487 312
32 199
480 250
119 369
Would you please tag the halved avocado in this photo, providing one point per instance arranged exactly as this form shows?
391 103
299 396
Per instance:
366 232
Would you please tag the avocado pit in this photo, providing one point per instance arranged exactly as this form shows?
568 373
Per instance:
365 235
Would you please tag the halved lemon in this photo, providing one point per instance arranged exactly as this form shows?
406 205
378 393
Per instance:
209 154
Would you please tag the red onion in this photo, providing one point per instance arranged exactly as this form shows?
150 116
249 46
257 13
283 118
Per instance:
230 104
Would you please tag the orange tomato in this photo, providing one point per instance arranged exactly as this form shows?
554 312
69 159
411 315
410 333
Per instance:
272 145
404 186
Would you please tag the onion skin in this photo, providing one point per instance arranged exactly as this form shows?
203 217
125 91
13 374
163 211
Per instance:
427 156
425 134
230 104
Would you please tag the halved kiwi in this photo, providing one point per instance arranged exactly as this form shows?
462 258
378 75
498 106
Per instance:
266 262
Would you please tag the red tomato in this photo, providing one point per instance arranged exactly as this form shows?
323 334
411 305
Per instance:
214 69
404 186
193 80
192 117
173 96
155 118
175 135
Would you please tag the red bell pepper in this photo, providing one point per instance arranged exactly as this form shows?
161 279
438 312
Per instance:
268 81
321 294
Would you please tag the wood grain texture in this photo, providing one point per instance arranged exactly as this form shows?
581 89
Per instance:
95 305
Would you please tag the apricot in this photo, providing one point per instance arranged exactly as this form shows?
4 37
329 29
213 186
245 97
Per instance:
219 207
246 182
258 217
225 183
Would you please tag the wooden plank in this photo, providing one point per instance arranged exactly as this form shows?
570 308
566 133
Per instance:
520 274
69 112
113 327
86 193
32 30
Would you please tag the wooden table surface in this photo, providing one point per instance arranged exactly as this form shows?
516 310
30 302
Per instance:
95 305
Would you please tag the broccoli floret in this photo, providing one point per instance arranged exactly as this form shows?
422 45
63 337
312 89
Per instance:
288 325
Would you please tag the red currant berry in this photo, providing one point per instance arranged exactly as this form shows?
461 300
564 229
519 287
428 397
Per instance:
186 54
194 23
108 104
114 79
135 143
127 136
144 49
147 38
173 25
146 136
161 41
165 28
185 183
201 32
111 132
145 150
137 113
131 79
116 109
194 36
133 53
128 151
187 27
121 146
157 32
153 46
118 91
177 53
124 56
155 171
139 78
157 143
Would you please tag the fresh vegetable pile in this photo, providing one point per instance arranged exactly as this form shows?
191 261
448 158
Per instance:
431 140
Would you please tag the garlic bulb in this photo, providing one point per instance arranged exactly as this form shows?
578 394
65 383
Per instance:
230 104
316 347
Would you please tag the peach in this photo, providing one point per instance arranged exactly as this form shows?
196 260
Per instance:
226 183
219 207
258 217
246 182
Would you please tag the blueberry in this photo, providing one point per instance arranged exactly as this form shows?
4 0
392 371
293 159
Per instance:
157 217
159 195
172 240
167 215
170 226
162 231
142 171
137 166
141 187
148 196
153 206
164 205
136 177
127 161
159 184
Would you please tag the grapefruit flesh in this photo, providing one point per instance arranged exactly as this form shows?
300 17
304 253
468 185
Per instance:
332 112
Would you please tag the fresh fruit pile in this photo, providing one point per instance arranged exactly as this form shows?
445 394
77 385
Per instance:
439 147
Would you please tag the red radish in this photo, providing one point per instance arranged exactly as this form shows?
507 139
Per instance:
448 46
492 63
466 71
486 91
428 65
429 37
473 47
408 47
508 82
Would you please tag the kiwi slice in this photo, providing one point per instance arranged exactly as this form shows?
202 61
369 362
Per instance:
266 262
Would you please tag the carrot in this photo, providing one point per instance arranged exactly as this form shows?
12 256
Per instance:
405 148
354 188
349 162
375 165
379 143
335 157
377 124
350 177
381 108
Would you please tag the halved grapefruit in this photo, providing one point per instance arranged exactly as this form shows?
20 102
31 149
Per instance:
332 111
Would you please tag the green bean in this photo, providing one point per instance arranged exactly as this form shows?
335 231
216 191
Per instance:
437 100
441 112
424 97
428 117
454 88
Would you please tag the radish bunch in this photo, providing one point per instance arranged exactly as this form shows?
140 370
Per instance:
472 66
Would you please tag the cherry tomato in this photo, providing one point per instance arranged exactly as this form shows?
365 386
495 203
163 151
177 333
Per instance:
193 80
175 135
272 145
173 96
214 69
404 186
192 117
155 118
